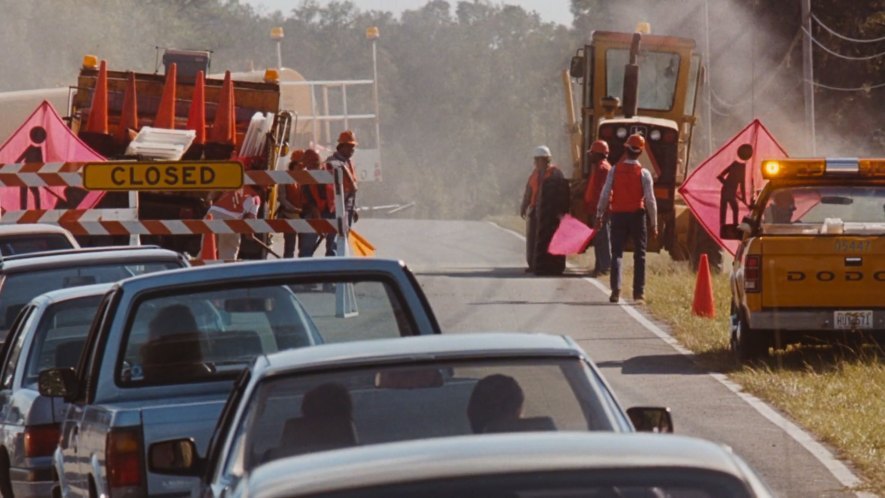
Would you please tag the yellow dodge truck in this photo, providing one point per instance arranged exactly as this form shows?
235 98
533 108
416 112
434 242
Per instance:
811 263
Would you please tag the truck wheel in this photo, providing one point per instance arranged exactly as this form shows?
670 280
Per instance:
746 343
5 479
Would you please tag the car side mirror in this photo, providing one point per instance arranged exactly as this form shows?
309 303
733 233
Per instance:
58 382
651 418
176 457
576 67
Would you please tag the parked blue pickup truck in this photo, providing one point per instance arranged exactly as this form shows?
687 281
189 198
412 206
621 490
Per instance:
166 349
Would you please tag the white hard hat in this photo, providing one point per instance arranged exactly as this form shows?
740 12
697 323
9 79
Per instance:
542 151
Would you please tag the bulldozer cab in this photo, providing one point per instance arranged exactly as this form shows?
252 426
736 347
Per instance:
637 83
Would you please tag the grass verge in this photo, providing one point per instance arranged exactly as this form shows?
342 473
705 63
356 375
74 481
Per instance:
836 394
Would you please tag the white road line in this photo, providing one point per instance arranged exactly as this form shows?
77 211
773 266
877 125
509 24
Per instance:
838 469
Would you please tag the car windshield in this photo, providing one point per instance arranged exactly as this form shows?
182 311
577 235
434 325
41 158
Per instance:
60 336
825 209
27 243
193 336
16 289
297 414
646 482
658 72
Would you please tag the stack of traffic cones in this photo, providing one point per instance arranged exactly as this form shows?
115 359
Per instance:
165 117
702 305
129 113
209 250
98 114
222 138
196 118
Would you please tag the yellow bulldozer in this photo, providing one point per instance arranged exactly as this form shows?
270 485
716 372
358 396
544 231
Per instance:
647 84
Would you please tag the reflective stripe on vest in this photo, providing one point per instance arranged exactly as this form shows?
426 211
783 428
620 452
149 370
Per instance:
627 195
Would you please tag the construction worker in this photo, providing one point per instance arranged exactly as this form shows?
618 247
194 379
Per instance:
291 203
629 196
599 168
240 204
319 202
530 210
341 160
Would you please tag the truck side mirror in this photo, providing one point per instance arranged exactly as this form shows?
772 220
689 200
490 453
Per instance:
176 457
731 232
651 418
58 382
576 67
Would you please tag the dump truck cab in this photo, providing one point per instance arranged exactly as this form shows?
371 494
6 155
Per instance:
646 84
811 263
250 98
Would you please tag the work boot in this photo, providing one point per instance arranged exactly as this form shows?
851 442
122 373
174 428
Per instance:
638 299
615 297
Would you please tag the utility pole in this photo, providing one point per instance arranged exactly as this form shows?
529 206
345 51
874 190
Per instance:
808 76
708 89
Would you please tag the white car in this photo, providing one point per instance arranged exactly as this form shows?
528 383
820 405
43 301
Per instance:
34 237
550 465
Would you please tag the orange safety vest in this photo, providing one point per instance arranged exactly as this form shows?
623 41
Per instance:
627 195
294 195
595 185
327 203
533 183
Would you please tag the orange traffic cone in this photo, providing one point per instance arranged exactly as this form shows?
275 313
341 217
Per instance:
702 305
98 114
129 113
165 117
209 250
224 128
196 118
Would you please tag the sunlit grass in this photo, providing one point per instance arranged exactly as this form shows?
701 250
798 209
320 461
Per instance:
836 394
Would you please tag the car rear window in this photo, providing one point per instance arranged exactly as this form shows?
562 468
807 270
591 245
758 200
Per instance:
18 288
27 243
299 414
199 334
60 336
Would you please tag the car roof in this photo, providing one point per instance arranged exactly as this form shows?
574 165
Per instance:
258 270
31 228
69 293
418 348
92 255
476 455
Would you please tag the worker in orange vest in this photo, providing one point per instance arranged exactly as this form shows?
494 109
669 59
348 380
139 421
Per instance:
599 168
319 202
342 160
629 195
291 203
529 209
240 204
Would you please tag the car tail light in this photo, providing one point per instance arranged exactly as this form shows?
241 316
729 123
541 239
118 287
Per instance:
124 463
41 440
752 273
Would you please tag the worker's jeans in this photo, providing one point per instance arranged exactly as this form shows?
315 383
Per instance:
632 225
309 242
602 247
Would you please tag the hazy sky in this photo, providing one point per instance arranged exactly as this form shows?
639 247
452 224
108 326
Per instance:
550 10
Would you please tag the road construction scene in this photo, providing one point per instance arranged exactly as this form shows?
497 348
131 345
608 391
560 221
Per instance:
442 248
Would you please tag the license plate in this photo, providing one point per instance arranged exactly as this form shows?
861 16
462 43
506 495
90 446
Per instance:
860 319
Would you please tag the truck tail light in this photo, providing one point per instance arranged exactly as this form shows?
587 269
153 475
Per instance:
41 440
124 463
752 273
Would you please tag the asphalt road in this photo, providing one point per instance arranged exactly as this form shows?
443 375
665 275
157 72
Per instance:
473 275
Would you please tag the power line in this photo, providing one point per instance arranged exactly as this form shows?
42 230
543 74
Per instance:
865 88
837 54
846 38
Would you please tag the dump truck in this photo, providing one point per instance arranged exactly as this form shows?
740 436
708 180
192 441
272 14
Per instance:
647 84
250 97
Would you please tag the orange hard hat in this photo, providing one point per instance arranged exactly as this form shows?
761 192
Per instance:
636 142
599 147
347 137
297 155
310 157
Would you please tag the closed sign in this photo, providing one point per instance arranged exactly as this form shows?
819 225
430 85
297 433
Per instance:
179 175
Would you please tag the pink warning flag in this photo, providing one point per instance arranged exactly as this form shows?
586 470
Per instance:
572 237
45 138
719 191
